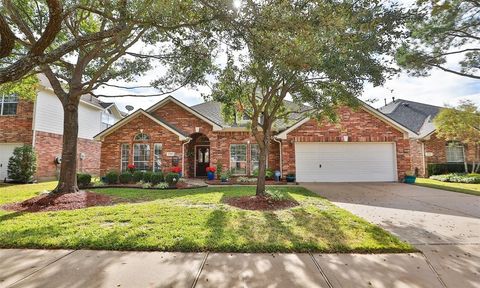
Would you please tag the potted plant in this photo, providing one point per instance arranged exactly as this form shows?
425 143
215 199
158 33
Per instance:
177 170
290 177
225 176
211 173
131 168
409 177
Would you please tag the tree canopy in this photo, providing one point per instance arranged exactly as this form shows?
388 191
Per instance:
439 31
318 53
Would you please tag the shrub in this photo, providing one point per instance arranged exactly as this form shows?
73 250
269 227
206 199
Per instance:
138 176
84 179
125 178
276 194
146 185
446 168
269 174
219 169
23 164
147 176
172 179
162 185
246 180
458 178
111 177
156 178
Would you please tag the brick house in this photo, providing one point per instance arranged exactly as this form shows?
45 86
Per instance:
364 145
40 123
426 147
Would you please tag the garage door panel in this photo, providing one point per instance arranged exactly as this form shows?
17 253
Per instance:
345 162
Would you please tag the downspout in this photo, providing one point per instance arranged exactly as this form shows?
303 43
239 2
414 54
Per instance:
281 162
424 162
183 154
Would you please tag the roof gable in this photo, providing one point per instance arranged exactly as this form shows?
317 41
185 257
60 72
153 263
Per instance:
216 126
181 135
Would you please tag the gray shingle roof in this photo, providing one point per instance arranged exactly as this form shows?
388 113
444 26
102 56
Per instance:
213 111
416 116
169 125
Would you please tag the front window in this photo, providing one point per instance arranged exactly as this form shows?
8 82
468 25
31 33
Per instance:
238 159
157 157
141 156
107 119
125 155
454 152
8 104
254 157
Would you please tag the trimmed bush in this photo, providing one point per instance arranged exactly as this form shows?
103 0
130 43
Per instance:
172 179
147 176
269 174
162 185
138 176
125 178
84 179
156 178
446 168
111 177
458 178
22 165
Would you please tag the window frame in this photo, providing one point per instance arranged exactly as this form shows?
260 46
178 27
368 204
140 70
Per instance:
2 103
146 161
448 154
145 137
258 161
154 168
246 158
122 149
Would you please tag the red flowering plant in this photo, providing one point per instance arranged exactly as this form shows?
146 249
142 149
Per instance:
131 168
211 169
177 170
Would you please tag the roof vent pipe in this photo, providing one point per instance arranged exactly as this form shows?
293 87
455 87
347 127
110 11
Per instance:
393 99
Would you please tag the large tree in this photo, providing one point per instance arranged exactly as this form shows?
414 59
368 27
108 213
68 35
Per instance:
441 30
160 30
319 53
462 124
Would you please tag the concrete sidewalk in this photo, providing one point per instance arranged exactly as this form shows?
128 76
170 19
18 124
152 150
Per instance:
87 268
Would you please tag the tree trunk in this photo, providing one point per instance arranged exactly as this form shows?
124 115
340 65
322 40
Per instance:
68 168
262 164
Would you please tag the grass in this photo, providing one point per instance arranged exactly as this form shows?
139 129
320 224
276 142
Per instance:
472 189
192 220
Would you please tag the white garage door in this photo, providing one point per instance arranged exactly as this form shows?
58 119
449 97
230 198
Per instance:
345 162
6 151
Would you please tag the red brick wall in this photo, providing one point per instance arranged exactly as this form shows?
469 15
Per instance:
49 145
436 146
18 128
111 145
416 151
359 125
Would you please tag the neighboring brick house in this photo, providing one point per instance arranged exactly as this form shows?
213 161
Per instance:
426 147
364 145
40 123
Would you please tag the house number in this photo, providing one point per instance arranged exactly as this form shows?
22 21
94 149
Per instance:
170 154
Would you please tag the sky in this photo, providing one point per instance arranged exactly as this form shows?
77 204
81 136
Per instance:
439 88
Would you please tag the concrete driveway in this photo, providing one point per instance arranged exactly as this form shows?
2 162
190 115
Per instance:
444 225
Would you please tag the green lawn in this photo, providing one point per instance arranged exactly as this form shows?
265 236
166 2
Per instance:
473 189
192 220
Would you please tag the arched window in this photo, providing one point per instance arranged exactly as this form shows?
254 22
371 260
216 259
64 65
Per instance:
141 137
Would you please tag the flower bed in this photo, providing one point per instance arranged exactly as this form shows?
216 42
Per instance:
244 181
458 178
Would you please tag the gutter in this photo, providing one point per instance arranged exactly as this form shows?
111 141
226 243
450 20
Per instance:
279 141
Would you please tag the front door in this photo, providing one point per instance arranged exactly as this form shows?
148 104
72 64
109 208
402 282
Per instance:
202 160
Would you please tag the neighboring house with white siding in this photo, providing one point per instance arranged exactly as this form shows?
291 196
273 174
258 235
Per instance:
40 123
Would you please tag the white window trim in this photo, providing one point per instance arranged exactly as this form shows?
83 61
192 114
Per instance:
230 158
154 154
2 102
121 156
133 156
250 164
456 145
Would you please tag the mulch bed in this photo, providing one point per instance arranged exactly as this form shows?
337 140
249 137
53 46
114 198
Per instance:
235 182
260 203
180 185
55 202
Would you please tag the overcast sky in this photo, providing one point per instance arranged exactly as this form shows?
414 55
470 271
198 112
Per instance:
440 88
